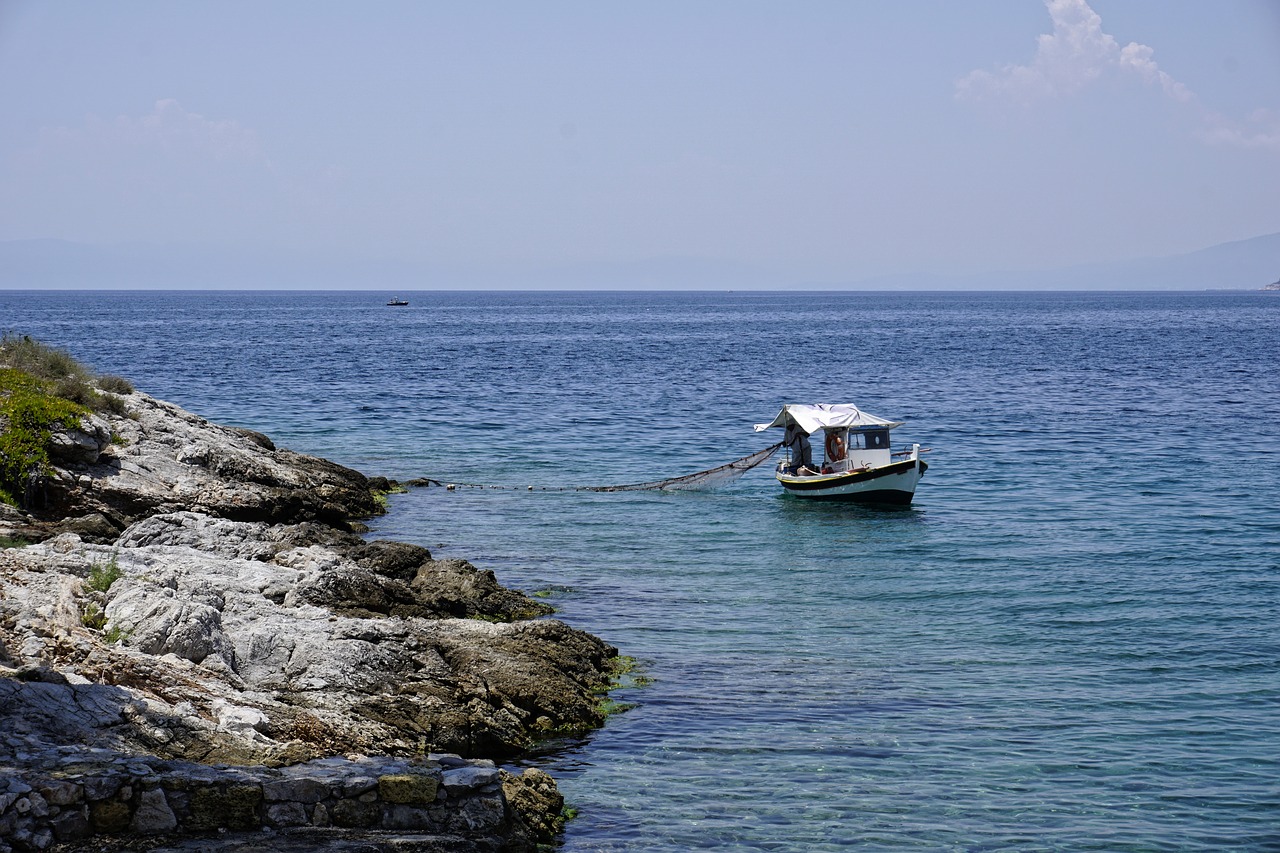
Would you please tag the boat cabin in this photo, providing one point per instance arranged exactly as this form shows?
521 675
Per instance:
854 448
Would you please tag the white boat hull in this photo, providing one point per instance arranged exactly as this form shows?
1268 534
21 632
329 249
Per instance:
893 484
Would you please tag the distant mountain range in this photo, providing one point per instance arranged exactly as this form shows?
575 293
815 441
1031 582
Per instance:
1240 265
38 264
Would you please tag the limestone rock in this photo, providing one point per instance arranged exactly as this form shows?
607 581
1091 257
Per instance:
169 460
247 625
164 624
533 794
81 445
203 629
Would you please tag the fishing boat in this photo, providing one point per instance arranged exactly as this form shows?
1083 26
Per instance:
396 300
858 464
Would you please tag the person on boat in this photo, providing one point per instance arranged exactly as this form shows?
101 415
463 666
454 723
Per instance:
797 441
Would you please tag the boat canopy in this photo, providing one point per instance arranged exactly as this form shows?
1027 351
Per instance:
816 416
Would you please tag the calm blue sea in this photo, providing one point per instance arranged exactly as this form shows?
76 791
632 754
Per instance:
1070 642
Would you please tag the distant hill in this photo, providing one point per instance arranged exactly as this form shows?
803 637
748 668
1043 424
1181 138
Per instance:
1240 265
1243 264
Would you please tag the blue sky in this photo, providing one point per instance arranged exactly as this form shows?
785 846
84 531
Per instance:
817 141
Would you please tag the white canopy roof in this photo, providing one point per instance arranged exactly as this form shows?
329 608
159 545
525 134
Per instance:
812 418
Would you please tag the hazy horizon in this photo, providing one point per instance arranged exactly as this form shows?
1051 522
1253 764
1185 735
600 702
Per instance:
806 146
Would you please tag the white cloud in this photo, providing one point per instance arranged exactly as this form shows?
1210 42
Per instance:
1067 60
1261 130
1077 53
170 129
1137 57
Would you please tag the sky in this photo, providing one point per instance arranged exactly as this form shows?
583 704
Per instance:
495 141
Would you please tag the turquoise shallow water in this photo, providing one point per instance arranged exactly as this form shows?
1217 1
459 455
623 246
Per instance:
1069 642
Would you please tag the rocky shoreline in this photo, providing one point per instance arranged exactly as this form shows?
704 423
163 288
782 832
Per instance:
197 647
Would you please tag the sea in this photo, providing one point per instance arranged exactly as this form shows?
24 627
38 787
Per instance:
1069 641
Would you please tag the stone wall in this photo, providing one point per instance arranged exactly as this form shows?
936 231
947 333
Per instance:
74 807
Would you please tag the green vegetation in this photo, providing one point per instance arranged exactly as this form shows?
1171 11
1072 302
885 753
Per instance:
60 375
93 617
29 412
41 388
103 575
624 671
567 813
13 542
115 384
608 707
380 495
41 361
553 590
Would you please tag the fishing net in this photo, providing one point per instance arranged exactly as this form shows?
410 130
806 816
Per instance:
707 479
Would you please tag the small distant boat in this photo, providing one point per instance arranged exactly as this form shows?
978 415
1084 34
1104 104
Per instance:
858 463
395 300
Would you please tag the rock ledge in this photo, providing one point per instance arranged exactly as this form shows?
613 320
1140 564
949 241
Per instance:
199 611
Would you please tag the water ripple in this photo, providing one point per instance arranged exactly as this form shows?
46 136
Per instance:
1068 643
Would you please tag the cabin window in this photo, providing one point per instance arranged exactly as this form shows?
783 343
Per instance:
878 439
